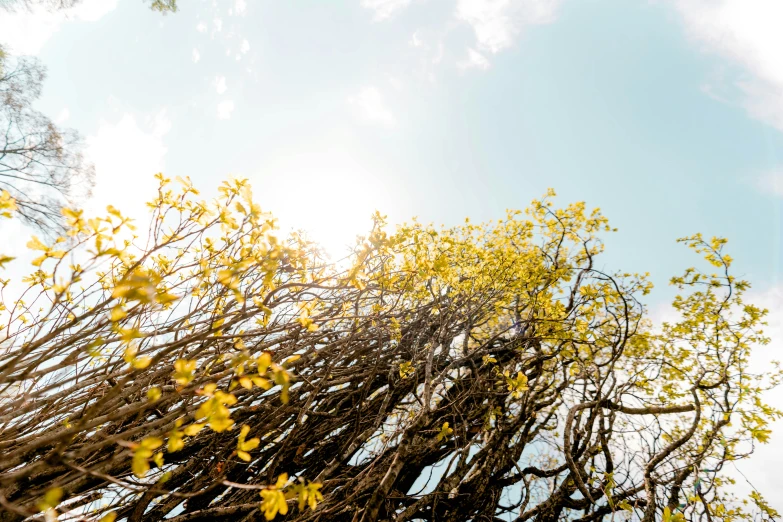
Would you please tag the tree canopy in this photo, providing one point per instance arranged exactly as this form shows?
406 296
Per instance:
206 367
41 165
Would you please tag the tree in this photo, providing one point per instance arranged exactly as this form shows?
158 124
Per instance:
161 6
28 5
209 369
41 165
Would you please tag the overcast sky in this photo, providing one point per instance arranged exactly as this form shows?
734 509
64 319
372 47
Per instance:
666 114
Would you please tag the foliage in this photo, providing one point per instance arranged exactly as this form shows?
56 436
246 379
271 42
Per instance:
164 6
208 368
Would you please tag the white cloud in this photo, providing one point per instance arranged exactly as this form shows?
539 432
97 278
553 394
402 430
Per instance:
220 84
746 32
438 54
63 116
201 27
217 26
240 7
93 10
395 82
127 155
496 23
385 8
771 182
26 32
475 60
245 47
196 56
224 109
372 106
16 234
330 171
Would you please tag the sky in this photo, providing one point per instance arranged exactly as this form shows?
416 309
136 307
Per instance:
667 114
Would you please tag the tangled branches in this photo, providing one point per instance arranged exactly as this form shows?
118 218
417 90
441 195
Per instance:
212 370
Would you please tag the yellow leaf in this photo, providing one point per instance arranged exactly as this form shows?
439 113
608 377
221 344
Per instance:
109 517
292 359
130 353
51 499
308 495
158 459
117 314
141 362
226 398
154 393
151 443
445 431
183 371
193 429
35 244
245 382
243 455
314 496
273 503
228 278
261 382
129 334
7 204
139 465
263 362
175 442
251 444
220 425
166 298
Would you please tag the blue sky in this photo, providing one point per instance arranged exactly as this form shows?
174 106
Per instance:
609 101
666 114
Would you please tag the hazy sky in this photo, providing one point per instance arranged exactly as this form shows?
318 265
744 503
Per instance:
666 114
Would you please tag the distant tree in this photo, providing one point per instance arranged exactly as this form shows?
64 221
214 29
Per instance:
211 370
27 5
162 6
41 164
